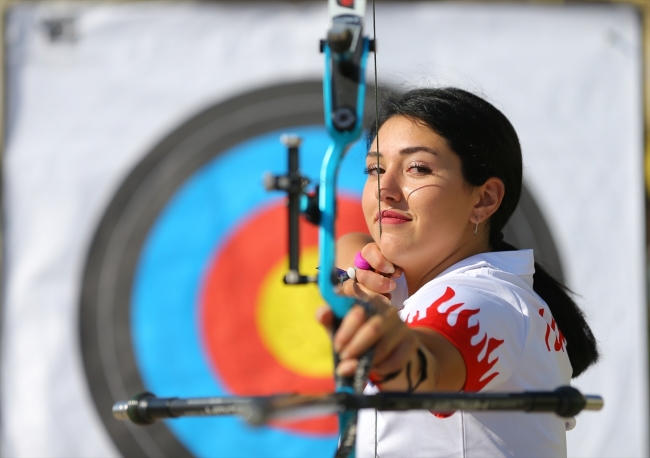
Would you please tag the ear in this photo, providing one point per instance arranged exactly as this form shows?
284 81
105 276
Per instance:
490 195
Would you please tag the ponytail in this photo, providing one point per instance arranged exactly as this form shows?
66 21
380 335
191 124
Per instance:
581 344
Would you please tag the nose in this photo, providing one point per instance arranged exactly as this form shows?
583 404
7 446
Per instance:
389 189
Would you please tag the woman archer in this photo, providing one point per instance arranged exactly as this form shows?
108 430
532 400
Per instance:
469 312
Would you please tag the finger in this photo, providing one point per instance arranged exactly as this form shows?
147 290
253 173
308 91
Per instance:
401 354
366 336
349 326
325 316
375 282
376 259
347 367
378 302
398 272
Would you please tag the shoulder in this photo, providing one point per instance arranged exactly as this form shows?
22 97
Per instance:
487 325
461 293
501 282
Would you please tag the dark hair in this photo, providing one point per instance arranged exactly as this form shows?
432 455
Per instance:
488 146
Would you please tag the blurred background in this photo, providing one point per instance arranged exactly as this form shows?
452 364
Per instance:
141 252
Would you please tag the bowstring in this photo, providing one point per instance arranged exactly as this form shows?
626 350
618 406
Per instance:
374 37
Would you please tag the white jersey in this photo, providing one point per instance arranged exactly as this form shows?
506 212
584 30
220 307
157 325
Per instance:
485 305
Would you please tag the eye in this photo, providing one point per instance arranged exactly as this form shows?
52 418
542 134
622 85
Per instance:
419 168
373 170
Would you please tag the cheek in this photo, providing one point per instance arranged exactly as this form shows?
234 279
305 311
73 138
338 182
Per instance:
446 210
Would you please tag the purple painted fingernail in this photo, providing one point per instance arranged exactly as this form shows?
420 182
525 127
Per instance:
361 263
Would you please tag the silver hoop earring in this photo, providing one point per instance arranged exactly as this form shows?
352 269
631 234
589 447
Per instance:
476 229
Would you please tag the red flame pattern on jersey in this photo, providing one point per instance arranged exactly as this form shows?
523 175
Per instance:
438 316
560 340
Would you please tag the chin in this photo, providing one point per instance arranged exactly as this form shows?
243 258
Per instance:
392 250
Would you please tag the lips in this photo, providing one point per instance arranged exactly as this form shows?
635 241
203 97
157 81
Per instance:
393 217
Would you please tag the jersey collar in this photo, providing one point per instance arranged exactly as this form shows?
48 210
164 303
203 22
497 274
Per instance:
520 263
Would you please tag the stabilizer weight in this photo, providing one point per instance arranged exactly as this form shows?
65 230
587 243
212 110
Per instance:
143 408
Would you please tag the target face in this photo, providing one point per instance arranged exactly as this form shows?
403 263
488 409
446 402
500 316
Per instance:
183 292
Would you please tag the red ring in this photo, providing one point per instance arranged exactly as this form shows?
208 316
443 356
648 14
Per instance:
231 287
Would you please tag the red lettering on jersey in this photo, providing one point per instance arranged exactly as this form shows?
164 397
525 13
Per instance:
439 317
560 340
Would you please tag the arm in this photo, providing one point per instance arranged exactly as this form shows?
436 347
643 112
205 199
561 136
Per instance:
396 345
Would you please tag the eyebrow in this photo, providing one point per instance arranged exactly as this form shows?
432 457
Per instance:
407 151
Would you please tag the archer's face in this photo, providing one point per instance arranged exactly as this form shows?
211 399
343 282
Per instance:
426 204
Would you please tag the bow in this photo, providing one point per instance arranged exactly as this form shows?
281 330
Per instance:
346 52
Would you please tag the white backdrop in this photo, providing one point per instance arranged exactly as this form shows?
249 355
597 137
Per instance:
84 110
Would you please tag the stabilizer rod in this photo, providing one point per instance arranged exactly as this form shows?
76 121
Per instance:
145 408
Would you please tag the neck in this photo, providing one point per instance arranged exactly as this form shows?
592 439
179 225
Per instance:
416 278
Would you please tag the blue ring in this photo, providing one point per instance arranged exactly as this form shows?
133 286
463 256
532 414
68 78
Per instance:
167 281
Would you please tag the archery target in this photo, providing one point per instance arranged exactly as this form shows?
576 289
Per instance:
203 295
182 292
